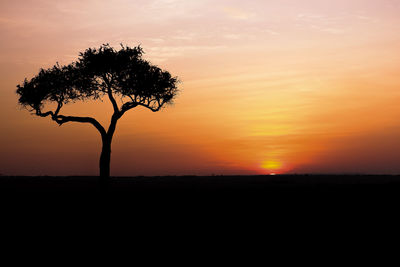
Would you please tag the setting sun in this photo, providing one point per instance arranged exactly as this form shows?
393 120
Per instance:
271 165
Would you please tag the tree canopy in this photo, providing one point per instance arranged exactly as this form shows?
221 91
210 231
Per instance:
96 73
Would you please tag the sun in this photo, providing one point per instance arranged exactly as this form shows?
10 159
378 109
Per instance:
271 165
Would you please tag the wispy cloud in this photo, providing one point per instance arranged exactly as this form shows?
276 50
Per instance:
238 13
162 53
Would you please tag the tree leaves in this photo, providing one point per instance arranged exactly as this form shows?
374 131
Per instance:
98 72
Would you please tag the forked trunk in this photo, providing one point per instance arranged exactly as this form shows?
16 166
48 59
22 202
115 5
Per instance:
105 156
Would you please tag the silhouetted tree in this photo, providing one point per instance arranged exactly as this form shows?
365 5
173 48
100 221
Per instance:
98 73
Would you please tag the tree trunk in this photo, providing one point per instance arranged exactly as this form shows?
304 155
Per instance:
105 158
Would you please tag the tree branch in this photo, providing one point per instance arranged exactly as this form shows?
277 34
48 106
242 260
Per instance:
112 99
40 114
60 104
127 106
60 119
110 95
149 107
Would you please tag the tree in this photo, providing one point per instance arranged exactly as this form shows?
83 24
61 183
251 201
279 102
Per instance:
99 73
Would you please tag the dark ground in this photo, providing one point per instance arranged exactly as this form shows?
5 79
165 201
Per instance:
203 184
204 190
275 196
217 195
192 208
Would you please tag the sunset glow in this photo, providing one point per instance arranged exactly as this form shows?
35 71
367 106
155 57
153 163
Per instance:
272 165
280 86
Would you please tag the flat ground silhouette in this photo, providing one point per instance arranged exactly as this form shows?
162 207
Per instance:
210 197
210 184
202 205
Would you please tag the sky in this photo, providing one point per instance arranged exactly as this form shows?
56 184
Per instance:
278 86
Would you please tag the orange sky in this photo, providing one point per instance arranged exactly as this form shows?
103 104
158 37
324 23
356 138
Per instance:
267 86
